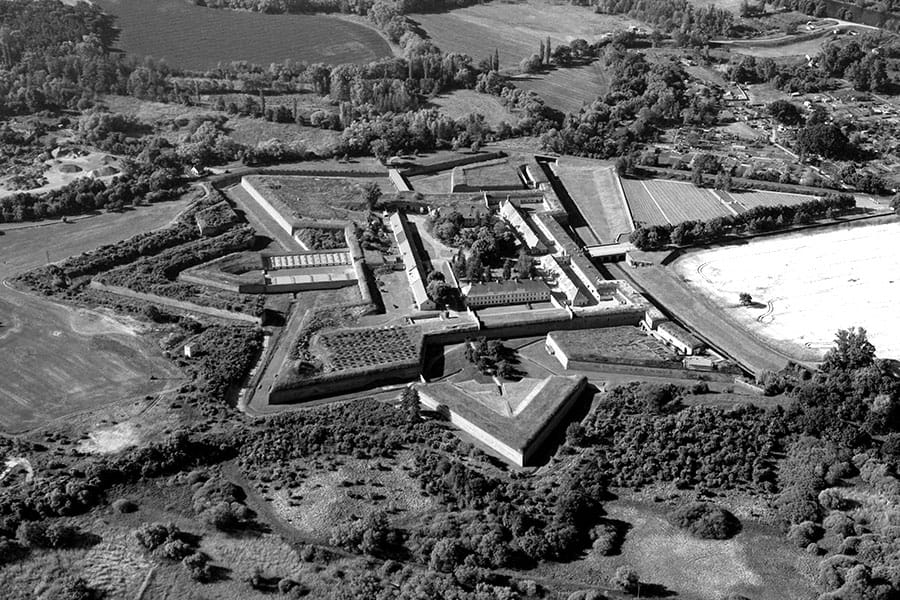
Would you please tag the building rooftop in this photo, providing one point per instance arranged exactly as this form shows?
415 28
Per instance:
517 415
506 287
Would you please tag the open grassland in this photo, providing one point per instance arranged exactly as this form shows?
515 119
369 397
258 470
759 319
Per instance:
657 201
58 360
596 193
569 89
807 286
516 29
461 103
192 37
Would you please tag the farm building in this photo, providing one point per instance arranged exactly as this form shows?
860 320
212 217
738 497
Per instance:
499 293
513 419
412 260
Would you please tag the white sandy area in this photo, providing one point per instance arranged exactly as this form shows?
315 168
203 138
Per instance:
809 285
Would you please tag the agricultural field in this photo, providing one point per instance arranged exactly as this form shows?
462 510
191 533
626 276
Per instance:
196 38
611 344
752 199
500 174
806 287
515 29
568 89
461 103
595 192
47 372
657 202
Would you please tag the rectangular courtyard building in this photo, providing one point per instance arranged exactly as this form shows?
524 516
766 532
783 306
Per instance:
501 293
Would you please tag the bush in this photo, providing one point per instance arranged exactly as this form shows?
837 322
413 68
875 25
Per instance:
833 571
839 524
153 535
197 565
831 499
606 539
706 521
804 534
626 579
124 505
175 550
11 551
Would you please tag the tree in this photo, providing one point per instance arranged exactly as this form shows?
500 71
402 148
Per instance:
524 265
895 203
409 404
746 299
852 350
531 64
507 269
785 112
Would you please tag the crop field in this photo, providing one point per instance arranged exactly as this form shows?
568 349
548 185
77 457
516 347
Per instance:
515 29
192 37
657 202
596 193
752 199
570 89
806 287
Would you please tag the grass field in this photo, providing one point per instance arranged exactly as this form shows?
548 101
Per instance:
323 197
193 37
515 28
567 90
658 201
807 286
461 103
751 199
58 360
596 193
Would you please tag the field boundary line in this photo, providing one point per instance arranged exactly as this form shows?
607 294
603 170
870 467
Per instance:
724 202
653 198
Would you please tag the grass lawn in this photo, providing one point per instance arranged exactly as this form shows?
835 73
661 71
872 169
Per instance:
461 103
323 197
596 193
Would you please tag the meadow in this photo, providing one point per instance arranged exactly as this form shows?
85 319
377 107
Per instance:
568 89
808 286
196 38
515 29
59 360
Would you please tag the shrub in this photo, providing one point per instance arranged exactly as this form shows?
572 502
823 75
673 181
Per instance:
706 521
76 588
831 499
197 565
32 534
153 535
606 539
175 550
11 551
833 571
804 534
125 505
839 524
626 579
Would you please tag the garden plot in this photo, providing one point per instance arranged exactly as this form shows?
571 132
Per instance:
658 201
805 287
352 349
